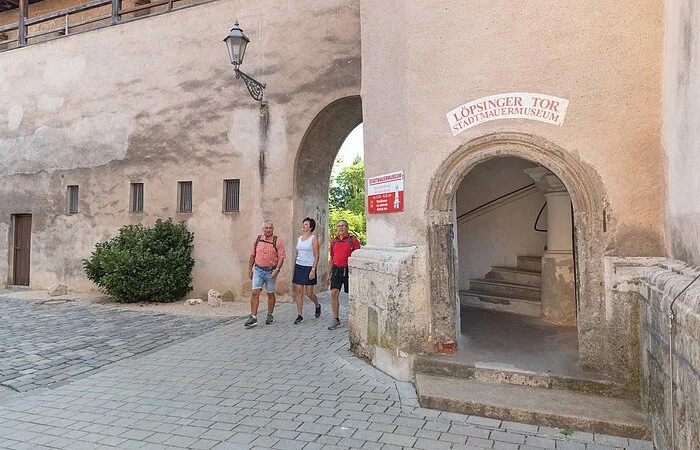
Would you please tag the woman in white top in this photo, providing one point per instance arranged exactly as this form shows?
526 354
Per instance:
305 268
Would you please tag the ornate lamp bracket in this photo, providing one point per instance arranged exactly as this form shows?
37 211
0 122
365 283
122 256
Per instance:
255 88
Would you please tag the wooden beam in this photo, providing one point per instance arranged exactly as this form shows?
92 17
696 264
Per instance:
116 4
22 30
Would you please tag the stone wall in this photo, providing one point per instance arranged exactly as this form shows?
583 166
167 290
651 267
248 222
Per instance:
610 160
681 135
671 385
122 105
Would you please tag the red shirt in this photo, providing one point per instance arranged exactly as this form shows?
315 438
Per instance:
341 250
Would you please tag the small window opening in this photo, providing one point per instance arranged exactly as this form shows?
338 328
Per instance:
72 199
231 195
136 197
184 196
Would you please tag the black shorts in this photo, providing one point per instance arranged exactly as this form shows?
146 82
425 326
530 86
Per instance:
339 278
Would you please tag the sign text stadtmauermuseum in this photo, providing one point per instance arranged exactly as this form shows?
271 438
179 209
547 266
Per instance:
514 105
385 193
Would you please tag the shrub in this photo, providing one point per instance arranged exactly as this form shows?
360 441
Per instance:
144 264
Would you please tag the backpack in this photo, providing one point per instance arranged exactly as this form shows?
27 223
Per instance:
259 238
351 239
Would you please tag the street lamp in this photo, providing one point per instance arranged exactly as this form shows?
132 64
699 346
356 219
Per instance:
236 43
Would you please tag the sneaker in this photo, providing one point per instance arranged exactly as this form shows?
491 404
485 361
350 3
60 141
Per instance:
317 314
298 320
270 319
251 322
335 324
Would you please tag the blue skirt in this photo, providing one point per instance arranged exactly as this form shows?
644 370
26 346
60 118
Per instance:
301 276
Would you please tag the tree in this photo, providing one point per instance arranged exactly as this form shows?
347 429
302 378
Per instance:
348 188
346 199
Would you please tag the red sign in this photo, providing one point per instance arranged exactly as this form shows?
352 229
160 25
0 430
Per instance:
385 193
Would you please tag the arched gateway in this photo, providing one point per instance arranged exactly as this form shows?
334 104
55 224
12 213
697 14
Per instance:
314 162
588 201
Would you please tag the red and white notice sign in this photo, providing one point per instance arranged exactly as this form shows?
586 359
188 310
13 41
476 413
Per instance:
385 193
514 105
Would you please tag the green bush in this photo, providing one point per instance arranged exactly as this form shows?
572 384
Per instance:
144 264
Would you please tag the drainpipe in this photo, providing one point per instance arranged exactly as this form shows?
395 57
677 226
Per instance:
671 322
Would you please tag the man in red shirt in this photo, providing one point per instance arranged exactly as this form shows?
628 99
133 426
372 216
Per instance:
264 265
341 247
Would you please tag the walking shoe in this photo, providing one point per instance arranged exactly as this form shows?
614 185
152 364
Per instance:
317 314
270 319
298 320
335 324
251 322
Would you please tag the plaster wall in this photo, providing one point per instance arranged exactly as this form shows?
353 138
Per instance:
497 236
122 104
421 60
681 136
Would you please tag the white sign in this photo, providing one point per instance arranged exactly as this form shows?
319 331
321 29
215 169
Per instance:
385 193
514 105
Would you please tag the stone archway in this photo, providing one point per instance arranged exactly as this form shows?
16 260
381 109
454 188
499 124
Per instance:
587 198
314 162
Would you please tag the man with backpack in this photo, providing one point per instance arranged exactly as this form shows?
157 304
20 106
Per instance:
265 263
341 247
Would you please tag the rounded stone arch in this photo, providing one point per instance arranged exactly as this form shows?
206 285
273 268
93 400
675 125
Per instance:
314 162
587 197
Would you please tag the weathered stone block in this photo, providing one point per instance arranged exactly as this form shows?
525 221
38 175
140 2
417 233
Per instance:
389 308
671 354
58 290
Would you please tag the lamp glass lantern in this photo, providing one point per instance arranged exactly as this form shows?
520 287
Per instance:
236 43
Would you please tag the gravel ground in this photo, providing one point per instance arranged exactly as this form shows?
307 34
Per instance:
227 309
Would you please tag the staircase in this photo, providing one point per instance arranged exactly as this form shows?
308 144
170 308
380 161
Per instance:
514 290
589 403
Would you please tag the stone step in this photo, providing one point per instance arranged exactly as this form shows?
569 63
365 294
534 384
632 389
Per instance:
533 263
520 306
515 275
588 383
534 405
504 289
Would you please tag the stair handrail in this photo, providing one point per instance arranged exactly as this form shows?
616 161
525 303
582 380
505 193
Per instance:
495 200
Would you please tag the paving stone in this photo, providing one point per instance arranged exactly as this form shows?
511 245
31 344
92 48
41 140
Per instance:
396 439
570 445
505 445
428 434
168 381
540 442
507 437
610 441
479 442
430 444
468 430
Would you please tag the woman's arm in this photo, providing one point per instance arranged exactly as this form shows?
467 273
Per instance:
314 246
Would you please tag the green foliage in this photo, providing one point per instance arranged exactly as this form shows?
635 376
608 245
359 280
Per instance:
348 188
347 200
356 223
568 431
144 264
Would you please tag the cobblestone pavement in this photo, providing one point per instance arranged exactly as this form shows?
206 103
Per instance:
44 343
280 386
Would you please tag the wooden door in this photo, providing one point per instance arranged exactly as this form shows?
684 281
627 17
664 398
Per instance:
23 241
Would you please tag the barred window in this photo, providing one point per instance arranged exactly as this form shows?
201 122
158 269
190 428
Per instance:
231 195
72 198
137 197
184 196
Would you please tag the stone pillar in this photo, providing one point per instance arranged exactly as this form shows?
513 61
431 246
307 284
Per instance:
558 281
